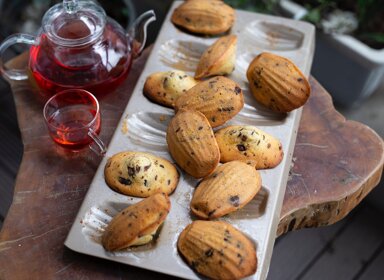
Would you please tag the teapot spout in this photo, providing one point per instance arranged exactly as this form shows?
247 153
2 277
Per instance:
138 32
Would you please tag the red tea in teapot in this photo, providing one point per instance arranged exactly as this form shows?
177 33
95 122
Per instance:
78 46
98 66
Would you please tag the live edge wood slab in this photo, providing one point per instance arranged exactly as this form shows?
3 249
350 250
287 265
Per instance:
336 163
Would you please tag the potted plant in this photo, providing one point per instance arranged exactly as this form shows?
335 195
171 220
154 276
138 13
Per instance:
349 57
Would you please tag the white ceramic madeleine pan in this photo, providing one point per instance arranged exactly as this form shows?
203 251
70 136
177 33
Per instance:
143 128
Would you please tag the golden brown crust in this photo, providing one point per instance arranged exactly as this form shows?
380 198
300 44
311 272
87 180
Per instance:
165 88
248 143
218 98
230 187
136 224
192 144
218 59
217 250
204 17
140 174
277 83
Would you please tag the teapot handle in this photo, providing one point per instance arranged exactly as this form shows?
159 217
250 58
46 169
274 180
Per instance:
15 74
138 32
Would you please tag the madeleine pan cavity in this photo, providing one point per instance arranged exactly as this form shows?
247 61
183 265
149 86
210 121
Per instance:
273 36
148 129
181 55
228 188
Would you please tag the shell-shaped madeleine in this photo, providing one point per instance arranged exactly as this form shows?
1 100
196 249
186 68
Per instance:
165 88
218 98
246 142
140 174
228 188
192 144
277 83
136 224
217 250
218 59
204 17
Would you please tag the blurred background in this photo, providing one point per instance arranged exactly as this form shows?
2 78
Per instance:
348 62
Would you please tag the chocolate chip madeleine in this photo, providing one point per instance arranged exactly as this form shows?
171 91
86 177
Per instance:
248 143
230 187
192 144
217 250
165 88
136 224
218 59
277 83
218 98
140 174
204 17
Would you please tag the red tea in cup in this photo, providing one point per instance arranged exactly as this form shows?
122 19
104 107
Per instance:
73 120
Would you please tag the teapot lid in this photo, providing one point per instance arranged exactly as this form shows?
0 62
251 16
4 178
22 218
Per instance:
74 22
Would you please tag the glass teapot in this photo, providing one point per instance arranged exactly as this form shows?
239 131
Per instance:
78 46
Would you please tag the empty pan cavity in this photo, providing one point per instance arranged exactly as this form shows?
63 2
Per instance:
273 36
181 55
148 129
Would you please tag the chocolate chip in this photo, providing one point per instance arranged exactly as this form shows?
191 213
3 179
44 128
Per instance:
234 200
241 147
269 145
300 79
147 167
145 183
125 181
244 138
211 213
131 171
162 166
156 178
200 128
209 253
237 90
169 182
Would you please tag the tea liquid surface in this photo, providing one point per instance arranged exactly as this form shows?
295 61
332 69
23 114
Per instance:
98 67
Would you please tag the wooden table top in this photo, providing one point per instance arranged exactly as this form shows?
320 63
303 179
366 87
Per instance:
336 163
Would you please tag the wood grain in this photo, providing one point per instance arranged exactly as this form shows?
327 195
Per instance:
336 163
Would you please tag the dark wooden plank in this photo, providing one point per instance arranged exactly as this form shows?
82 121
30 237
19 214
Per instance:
350 250
375 269
298 249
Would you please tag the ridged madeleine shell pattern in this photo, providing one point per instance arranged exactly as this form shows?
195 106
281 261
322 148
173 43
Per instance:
246 142
276 82
140 174
218 59
230 187
136 224
204 17
192 144
218 98
217 250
